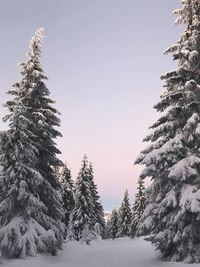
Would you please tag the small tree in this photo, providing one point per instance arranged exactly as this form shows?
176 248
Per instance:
81 219
112 225
138 207
98 212
67 192
124 216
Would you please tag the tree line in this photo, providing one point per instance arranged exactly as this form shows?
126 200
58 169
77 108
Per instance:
124 221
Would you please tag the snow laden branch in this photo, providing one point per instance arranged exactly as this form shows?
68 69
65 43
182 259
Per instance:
172 160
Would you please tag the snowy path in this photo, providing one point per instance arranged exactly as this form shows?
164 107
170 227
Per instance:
104 253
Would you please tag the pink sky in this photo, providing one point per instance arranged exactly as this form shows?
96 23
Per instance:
104 59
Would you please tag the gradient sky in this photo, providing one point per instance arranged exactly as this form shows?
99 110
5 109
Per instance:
104 61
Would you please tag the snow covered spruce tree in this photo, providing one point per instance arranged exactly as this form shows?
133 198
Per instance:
43 113
138 207
98 212
124 215
172 215
67 192
112 225
30 208
81 225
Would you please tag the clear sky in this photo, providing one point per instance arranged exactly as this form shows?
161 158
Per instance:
104 61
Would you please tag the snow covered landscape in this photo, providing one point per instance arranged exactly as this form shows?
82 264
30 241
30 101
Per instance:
122 252
51 217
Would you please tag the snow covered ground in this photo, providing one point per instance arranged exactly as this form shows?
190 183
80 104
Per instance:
122 252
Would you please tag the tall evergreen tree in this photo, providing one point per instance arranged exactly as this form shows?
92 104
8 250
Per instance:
112 225
124 216
30 208
43 114
67 192
98 212
81 225
138 207
173 158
